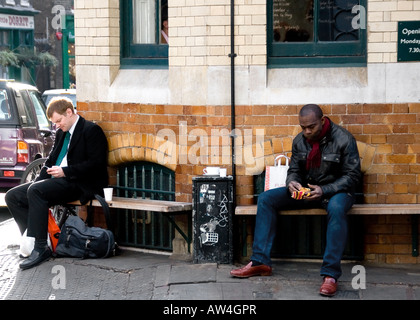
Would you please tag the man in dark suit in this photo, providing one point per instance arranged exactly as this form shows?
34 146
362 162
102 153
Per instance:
76 169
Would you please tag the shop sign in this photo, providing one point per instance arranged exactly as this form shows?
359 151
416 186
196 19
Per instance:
409 41
11 21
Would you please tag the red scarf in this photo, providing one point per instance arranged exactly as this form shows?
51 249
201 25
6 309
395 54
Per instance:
314 157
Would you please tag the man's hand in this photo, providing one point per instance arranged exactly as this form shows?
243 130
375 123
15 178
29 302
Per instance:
316 192
294 186
56 172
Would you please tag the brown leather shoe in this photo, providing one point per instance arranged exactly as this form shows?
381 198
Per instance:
328 287
250 271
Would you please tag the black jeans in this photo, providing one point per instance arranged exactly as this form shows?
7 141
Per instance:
29 203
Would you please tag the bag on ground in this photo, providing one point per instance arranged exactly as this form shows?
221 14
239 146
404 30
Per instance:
53 231
275 176
80 241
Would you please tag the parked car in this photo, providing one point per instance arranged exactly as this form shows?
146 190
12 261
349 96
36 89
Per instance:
69 93
26 134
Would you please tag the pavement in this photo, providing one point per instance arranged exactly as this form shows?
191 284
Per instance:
161 282
136 275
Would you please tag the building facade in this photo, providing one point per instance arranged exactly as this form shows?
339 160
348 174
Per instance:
54 33
17 39
243 69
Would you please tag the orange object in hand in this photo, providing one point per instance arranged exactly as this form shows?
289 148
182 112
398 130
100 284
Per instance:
303 192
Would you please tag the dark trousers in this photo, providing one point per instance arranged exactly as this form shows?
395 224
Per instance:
29 203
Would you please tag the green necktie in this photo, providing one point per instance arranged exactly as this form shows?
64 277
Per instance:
63 149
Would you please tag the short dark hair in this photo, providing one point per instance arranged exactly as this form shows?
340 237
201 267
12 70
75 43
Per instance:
311 108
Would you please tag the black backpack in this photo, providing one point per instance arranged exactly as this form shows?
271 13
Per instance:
80 241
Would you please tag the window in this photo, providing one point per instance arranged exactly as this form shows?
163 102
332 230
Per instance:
25 111
26 39
144 32
39 110
4 46
5 111
316 33
4 39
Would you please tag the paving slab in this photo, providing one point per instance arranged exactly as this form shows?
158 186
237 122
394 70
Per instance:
144 276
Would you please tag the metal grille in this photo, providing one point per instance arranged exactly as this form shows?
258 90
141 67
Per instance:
335 20
138 228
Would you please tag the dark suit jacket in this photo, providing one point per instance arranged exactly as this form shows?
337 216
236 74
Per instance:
87 159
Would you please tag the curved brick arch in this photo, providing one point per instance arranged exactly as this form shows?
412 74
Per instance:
129 147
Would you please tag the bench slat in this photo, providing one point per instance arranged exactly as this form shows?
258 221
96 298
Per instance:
168 207
357 209
143 204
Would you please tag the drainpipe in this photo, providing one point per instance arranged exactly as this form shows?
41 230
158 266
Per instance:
232 56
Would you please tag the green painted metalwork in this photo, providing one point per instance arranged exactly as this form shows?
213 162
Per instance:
140 228
68 38
140 55
335 47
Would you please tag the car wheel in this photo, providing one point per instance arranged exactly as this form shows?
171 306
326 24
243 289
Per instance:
32 171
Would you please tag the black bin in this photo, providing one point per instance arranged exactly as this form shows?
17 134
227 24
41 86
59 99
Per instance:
213 219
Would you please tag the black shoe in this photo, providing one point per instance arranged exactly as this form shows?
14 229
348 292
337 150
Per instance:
36 258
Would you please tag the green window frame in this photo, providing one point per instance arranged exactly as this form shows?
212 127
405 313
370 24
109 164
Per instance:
345 48
68 49
135 50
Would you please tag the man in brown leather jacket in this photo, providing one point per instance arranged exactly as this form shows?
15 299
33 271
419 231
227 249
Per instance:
325 160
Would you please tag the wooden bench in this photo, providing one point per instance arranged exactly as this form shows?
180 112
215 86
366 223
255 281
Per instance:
357 209
167 208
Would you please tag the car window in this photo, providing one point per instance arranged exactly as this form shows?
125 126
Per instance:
47 98
5 111
39 110
25 110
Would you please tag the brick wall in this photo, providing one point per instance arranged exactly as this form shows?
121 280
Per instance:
200 32
97 32
198 57
392 177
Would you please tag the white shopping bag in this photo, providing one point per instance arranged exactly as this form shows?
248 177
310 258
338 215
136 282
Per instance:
27 244
275 176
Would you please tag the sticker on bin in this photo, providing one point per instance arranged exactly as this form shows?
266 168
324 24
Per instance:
209 238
